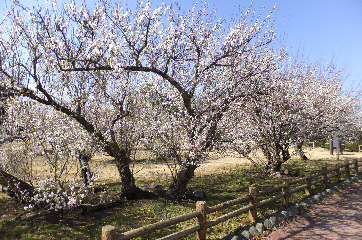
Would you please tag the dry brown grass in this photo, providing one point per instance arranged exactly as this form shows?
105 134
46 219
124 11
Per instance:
215 164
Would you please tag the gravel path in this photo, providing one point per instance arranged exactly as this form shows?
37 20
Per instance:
338 217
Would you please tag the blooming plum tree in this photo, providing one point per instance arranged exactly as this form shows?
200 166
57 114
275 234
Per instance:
304 102
48 143
102 104
183 81
197 63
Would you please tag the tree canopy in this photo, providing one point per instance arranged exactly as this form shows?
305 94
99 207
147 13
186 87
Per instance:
179 83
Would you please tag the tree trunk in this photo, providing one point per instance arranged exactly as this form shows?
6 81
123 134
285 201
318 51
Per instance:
277 166
267 154
178 188
84 168
276 155
299 151
285 154
123 160
17 188
272 157
129 188
277 163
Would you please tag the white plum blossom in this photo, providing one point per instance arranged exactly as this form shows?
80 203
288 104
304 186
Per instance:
180 82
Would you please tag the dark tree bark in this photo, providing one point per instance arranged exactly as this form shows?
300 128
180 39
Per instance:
123 160
299 150
178 188
86 174
2 113
20 190
276 155
280 160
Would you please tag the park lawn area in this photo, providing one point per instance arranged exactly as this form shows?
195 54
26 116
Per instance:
15 223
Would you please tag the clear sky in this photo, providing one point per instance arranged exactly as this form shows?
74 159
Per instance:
320 29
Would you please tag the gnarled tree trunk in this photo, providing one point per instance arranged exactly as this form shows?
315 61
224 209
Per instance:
20 190
276 155
178 188
84 167
123 160
280 160
299 150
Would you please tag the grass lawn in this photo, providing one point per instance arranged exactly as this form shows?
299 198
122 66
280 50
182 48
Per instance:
17 224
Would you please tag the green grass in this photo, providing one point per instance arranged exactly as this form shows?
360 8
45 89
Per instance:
41 230
132 214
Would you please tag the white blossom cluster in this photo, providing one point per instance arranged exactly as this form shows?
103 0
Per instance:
47 141
48 197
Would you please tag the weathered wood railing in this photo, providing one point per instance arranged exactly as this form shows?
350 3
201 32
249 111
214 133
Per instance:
109 232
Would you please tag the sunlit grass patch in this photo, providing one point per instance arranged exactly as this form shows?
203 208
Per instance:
218 188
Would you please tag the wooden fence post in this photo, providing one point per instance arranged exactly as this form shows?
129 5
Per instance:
348 172
338 172
201 206
356 165
308 189
108 232
325 176
253 191
285 190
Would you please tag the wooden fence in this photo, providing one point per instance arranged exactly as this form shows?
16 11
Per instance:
283 191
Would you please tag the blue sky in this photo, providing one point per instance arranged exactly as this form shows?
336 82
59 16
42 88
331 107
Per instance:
320 29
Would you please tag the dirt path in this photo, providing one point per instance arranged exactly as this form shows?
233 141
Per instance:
338 217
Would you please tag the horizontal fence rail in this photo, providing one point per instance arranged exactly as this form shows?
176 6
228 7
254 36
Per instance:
282 191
